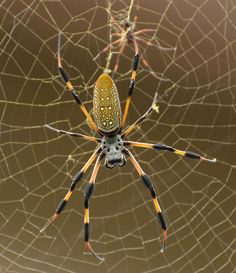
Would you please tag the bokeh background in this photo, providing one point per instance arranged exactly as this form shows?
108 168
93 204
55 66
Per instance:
196 85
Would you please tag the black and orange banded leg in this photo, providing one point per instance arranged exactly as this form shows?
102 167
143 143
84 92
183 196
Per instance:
148 183
162 147
87 194
131 87
90 138
141 119
76 179
66 78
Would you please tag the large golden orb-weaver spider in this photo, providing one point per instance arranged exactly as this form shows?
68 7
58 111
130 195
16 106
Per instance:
109 124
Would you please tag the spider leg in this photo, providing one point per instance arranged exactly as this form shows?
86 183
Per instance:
145 62
131 86
134 70
66 78
142 118
148 183
76 179
88 192
118 58
90 138
137 11
153 73
163 147
144 30
107 47
149 43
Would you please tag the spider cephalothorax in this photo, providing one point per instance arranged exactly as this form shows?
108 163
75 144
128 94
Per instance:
113 148
109 124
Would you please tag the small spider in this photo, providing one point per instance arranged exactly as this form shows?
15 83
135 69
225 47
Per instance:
126 33
109 125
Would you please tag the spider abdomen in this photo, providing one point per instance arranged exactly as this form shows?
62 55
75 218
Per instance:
106 105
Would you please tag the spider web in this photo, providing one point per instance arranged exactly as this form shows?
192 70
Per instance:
196 112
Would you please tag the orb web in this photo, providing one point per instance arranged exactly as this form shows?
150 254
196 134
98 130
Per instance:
196 111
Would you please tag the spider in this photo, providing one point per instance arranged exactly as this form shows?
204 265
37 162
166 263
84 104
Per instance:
109 125
126 33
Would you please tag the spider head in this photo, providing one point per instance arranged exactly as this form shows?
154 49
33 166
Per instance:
112 147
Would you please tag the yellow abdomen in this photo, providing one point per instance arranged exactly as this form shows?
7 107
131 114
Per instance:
106 105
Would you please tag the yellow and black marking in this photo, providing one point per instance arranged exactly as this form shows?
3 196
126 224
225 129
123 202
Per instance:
89 189
64 201
88 192
66 78
148 184
131 88
106 105
76 179
163 147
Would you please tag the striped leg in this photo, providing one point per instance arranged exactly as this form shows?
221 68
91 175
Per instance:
76 179
149 42
148 183
66 78
90 138
162 147
88 192
131 87
141 119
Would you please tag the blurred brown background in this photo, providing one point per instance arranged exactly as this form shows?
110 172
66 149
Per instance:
196 112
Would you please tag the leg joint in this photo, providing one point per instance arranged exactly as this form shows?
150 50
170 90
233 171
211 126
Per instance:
77 99
86 232
192 155
88 190
162 221
63 74
131 87
136 62
61 206
86 203
163 147
76 179
148 183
